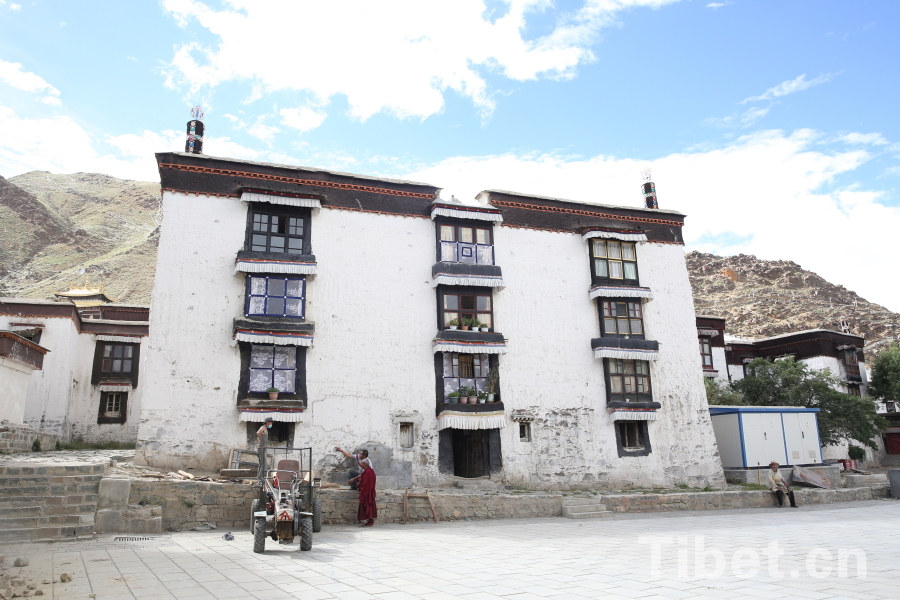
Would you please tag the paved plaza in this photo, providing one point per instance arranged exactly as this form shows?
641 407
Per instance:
817 552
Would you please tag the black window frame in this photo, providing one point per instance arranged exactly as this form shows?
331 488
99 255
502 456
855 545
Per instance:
597 279
243 392
851 365
443 291
609 374
283 211
458 224
614 302
525 431
98 375
103 418
643 432
286 277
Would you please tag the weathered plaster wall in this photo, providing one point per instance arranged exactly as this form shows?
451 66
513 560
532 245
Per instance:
719 364
14 377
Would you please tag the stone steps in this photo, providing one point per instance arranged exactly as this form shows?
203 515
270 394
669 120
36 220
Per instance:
584 508
48 502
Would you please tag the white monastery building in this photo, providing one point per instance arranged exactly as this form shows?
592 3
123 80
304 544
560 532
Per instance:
530 340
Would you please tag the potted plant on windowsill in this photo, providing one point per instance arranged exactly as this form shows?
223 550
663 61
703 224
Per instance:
482 397
454 323
471 397
273 393
464 323
485 327
493 377
453 397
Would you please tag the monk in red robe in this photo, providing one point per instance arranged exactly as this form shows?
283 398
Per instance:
366 484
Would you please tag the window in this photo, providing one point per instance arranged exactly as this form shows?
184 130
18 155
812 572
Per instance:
851 363
466 244
278 232
465 370
853 390
467 306
706 353
525 431
113 407
628 380
613 261
33 334
890 406
276 296
117 359
631 436
406 435
273 366
622 319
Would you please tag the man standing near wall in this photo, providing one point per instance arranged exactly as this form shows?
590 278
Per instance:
355 473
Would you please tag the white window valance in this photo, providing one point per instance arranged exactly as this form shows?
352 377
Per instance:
633 415
465 420
483 281
708 332
626 353
253 415
277 339
125 339
252 265
625 236
469 347
286 200
467 212
618 291
115 387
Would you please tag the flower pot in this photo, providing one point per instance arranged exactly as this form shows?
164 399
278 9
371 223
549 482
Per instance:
453 399
273 395
482 400
452 327
485 329
464 327
472 399
491 397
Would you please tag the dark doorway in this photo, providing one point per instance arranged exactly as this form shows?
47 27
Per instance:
469 453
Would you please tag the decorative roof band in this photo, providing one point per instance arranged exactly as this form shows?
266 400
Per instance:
633 415
249 265
125 339
477 280
465 212
615 291
312 182
587 213
617 234
460 420
286 200
284 415
628 354
273 337
469 347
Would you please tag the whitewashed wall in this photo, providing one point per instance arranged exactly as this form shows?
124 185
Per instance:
371 363
14 377
720 364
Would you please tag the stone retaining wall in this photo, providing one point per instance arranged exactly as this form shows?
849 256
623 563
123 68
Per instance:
187 504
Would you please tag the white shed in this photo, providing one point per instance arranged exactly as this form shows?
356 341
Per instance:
754 436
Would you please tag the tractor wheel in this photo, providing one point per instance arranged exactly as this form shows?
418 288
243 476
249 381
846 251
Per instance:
253 506
306 532
259 535
317 515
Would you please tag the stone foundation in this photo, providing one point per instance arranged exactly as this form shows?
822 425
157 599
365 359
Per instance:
19 438
187 504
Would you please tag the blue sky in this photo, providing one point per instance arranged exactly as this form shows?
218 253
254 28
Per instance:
771 124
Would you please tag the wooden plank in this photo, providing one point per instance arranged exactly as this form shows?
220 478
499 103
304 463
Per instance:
431 504
239 473
405 504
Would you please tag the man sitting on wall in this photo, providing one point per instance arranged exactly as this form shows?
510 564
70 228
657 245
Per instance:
778 485
354 473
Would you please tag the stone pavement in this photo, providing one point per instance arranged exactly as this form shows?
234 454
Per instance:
827 552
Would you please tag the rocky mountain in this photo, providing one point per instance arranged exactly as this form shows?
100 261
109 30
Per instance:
58 231
762 298
62 230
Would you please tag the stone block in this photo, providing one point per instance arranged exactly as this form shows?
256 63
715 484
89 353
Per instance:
857 480
113 493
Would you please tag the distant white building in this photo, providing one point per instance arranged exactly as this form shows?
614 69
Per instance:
87 386
343 292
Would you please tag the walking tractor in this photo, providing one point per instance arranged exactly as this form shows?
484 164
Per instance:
288 505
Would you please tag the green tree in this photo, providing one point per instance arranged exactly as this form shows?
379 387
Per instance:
885 384
721 393
791 383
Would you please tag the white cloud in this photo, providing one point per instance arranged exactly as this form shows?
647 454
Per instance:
715 5
404 56
15 7
770 190
303 118
262 131
13 75
790 86
744 119
873 139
